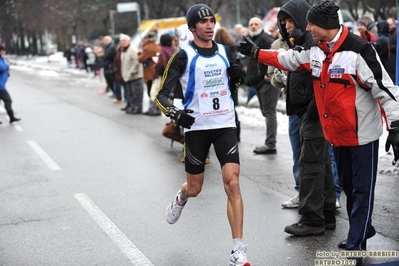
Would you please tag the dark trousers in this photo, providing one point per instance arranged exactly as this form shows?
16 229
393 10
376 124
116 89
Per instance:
357 169
113 85
110 78
135 92
268 97
317 189
6 98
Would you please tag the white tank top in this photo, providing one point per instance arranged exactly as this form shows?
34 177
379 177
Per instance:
206 90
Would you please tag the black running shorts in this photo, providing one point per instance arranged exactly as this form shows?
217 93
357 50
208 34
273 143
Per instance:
198 143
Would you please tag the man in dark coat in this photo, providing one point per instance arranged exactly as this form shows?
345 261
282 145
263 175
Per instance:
267 94
317 188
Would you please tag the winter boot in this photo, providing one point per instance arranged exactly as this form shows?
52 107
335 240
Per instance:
12 117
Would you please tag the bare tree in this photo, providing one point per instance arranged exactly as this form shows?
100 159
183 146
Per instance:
88 19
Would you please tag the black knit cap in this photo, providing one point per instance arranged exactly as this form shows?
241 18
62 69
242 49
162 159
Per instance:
196 13
324 14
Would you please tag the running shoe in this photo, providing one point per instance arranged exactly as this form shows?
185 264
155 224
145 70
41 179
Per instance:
292 203
239 257
337 204
174 210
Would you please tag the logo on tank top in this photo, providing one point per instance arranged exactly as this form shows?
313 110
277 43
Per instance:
204 95
213 82
212 73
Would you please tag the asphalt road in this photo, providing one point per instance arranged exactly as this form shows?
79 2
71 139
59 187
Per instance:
82 183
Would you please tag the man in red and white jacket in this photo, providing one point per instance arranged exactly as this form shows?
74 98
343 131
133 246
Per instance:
354 96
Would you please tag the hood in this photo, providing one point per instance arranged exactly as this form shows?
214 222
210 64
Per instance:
383 28
297 10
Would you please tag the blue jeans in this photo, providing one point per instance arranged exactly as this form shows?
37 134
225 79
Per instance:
295 140
117 90
338 188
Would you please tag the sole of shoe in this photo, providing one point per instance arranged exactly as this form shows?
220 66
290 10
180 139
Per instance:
313 232
289 206
266 152
245 264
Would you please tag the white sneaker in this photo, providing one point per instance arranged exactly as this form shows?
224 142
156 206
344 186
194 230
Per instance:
239 257
174 210
337 204
292 203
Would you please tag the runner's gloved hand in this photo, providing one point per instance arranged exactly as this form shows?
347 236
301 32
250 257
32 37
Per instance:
248 48
182 117
393 140
235 73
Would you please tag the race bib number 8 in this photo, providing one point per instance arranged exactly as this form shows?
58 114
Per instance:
214 102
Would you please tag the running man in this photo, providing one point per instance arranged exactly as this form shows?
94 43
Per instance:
207 79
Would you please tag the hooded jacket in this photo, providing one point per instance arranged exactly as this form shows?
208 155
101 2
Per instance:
382 45
299 84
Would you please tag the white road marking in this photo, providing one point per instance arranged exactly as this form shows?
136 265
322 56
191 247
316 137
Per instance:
43 155
129 249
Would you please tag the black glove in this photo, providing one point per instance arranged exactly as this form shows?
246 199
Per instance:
393 139
182 117
297 36
248 48
236 75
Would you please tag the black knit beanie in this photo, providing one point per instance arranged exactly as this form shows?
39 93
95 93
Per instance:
324 14
196 13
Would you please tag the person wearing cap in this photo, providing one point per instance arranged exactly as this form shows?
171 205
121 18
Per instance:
365 33
354 97
150 50
316 203
207 80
